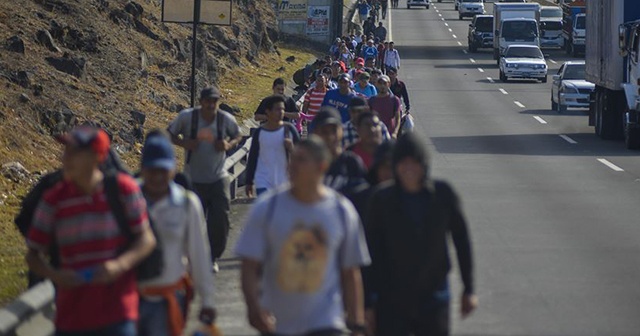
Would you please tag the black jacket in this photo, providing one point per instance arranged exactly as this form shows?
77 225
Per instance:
411 263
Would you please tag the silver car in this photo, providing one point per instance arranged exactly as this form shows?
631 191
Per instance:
418 3
524 62
570 89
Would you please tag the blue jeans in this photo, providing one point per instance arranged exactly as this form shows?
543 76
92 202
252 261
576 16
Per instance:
260 191
154 316
126 328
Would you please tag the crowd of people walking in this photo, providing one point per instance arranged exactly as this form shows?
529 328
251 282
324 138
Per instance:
348 232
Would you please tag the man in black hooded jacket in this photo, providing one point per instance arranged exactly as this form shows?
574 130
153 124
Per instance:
408 223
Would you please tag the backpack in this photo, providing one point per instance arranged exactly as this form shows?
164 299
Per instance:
153 265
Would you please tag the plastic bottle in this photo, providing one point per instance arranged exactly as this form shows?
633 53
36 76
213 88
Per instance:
207 330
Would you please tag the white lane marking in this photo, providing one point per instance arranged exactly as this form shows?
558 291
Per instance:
552 61
610 165
442 18
490 80
454 36
540 120
440 15
464 51
459 43
446 24
472 60
504 92
481 69
450 30
522 106
568 139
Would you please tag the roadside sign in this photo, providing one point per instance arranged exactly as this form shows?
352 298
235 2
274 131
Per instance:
318 20
213 12
292 11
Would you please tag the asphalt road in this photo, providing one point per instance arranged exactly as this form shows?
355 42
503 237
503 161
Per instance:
555 226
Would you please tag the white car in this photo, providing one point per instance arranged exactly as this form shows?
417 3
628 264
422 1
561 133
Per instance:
551 33
470 8
418 3
570 89
523 61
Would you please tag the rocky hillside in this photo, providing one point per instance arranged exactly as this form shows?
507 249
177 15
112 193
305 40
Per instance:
112 62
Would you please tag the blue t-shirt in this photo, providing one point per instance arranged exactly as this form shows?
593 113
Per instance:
339 101
370 52
364 8
368 91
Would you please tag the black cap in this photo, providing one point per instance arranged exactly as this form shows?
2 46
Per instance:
326 116
357 102
210 92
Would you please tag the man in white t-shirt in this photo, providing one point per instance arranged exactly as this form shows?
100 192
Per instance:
302 248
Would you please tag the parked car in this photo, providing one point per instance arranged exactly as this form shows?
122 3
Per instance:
470 8
570 88
480 32
551 33
551 12
418 3
523 61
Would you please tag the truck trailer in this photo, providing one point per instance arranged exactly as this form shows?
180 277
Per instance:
612 57
573 27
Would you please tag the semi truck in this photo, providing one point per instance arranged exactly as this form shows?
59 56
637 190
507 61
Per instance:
612 58
573 26
521 28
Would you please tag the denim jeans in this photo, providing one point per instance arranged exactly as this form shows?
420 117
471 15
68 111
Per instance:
126 328
260 191
154 316
215 203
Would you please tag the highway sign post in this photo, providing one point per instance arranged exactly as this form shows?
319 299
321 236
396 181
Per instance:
211 12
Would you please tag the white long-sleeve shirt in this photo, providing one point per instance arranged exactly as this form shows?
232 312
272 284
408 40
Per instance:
180 227
392 58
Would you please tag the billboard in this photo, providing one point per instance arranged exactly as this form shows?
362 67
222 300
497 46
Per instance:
292 11
318 20
215 12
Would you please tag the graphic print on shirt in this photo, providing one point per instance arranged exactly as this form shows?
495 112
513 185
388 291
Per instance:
303 260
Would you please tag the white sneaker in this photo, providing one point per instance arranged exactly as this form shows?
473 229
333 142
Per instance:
216 268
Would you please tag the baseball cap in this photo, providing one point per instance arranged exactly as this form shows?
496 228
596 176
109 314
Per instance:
326 116
210 92
370 41
356 102
359 61
384 78
363 74
87 137
158 153
344 76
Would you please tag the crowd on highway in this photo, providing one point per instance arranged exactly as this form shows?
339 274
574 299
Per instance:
348 232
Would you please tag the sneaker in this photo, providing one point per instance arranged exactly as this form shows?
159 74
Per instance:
216 268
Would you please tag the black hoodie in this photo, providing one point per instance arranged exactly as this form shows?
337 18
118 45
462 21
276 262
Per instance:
410 253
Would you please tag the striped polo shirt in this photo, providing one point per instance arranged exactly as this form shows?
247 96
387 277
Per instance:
87 234
314 97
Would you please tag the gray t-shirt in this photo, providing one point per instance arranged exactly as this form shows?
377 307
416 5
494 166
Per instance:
303 248
206 164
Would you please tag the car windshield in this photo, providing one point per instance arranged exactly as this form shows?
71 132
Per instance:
471 0
550 25
574 71
484 24
522 52
551 13
519 30
580 23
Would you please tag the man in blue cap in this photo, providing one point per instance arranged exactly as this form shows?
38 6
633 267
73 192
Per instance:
179 223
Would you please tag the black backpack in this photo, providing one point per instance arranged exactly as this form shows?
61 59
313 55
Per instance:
153 265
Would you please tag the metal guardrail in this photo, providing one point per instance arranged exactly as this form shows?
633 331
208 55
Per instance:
33 310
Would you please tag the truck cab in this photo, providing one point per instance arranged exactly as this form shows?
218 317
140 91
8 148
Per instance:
574 27
630 47
520 31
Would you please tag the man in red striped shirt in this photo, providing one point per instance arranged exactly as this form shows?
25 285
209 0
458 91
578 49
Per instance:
96 291
315 96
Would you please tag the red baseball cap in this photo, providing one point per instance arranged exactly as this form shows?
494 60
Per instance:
87 137
359 61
